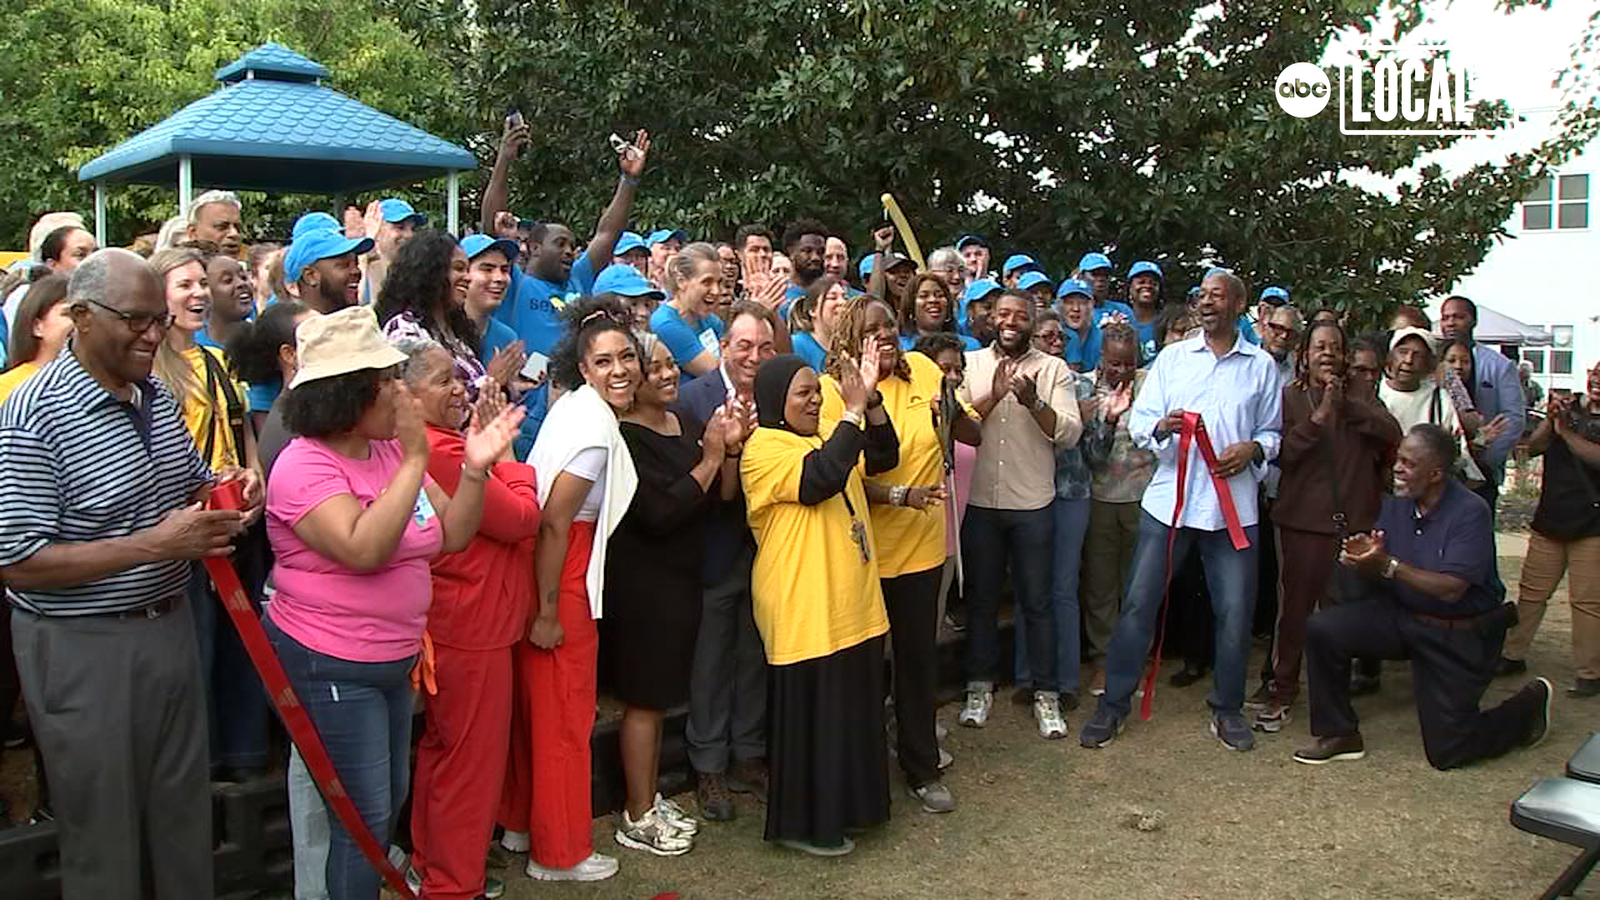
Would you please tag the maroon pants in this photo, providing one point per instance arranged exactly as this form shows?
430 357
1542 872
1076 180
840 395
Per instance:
1306 570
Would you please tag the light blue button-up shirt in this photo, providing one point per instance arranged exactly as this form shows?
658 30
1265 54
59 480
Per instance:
1239 399
1499 390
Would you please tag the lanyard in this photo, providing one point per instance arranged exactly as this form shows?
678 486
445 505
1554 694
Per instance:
1192 433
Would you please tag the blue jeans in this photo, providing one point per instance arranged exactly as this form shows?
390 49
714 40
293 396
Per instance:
1231 578
990 538
236 701
1071 524
363 713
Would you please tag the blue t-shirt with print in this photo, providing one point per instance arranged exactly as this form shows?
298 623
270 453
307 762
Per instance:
807 348
532 309
685 338
1083 351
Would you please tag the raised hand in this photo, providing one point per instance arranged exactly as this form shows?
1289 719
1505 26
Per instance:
1026 387
487 443
632 157
1117 402
505 225
1332 399
1001 384
507 362
883 238
714 442
371 221
410 427
514 138
851 389
1499 425
772 291
867 363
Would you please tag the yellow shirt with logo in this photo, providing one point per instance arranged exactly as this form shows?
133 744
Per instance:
14 377
813 595
908 540
201 415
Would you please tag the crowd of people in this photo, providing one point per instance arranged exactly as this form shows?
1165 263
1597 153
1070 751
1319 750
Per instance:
753 478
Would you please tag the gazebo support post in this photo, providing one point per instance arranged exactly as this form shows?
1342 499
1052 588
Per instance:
185 184
454 203
100 213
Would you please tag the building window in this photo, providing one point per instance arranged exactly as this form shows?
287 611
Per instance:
1559 203
1534 358
1560 362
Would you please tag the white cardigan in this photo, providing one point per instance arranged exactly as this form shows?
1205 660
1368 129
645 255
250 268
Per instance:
578 421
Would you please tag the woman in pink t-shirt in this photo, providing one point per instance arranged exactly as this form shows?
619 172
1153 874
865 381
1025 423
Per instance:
353 522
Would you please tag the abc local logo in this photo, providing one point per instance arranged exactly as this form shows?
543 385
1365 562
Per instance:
1302 90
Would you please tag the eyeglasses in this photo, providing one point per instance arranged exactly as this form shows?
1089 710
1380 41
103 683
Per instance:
138 323
1053 337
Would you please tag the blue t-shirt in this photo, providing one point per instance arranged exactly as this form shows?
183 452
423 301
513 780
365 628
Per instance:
1249 331
806 347
1084 352
496 336
204 339
263 395
685 338
791 295
909 341
1109 307
532 309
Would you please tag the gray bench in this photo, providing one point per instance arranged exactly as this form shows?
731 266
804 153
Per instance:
1585 764
1565 810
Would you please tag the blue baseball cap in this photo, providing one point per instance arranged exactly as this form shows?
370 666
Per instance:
395 211
1092 261
1194 292
1275 295
980 289
475 245
1032 278
1018 261
1143 267
668 234
314 221
627 241
319 244
1075 286
968 240
896 260
625 281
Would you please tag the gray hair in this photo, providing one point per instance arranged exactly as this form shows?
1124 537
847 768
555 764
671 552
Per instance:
208 198
1048 315
416 350
172 231
1235 285
945 258
691 254
1442 445
647 341
92 276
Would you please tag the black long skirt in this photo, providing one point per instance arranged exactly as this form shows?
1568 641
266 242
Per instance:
826 751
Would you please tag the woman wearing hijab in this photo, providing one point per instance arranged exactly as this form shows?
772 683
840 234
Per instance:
818 602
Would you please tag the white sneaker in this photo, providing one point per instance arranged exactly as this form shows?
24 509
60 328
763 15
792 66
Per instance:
945 759
676 816
598 867
651 834
976 713
1047 711
515 841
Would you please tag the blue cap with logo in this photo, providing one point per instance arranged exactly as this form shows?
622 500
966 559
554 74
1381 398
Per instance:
668 234
395 211
1018 261
1144 267
475 245
1032 278
980 289
314 221
1194 292
896 260
1092 261
319 244
627 241
1275 295
969 240
1075 286
625 281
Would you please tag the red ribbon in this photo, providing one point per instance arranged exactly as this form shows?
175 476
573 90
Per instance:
1192 432
295 718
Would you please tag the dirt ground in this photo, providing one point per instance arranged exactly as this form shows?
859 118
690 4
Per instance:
1165 812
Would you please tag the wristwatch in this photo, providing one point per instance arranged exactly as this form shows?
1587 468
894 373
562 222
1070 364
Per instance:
1039 404
1390 567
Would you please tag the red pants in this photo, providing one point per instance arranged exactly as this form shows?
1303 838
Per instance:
1306 571
547 790
461 765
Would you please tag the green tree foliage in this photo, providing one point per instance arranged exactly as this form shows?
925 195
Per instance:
80 76
1160 131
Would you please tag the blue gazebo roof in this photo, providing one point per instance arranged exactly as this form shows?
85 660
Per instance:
273 127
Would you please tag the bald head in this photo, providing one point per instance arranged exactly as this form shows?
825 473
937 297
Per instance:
97 274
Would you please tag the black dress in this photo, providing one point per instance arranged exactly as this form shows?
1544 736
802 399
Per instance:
653 571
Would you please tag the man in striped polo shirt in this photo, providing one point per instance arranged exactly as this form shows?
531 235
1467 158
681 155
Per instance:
100 510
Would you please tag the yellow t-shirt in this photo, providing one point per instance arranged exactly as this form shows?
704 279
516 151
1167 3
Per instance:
14 378
909 540
813 594
199 416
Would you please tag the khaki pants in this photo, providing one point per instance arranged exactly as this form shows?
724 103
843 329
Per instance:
1547 560
1107 559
